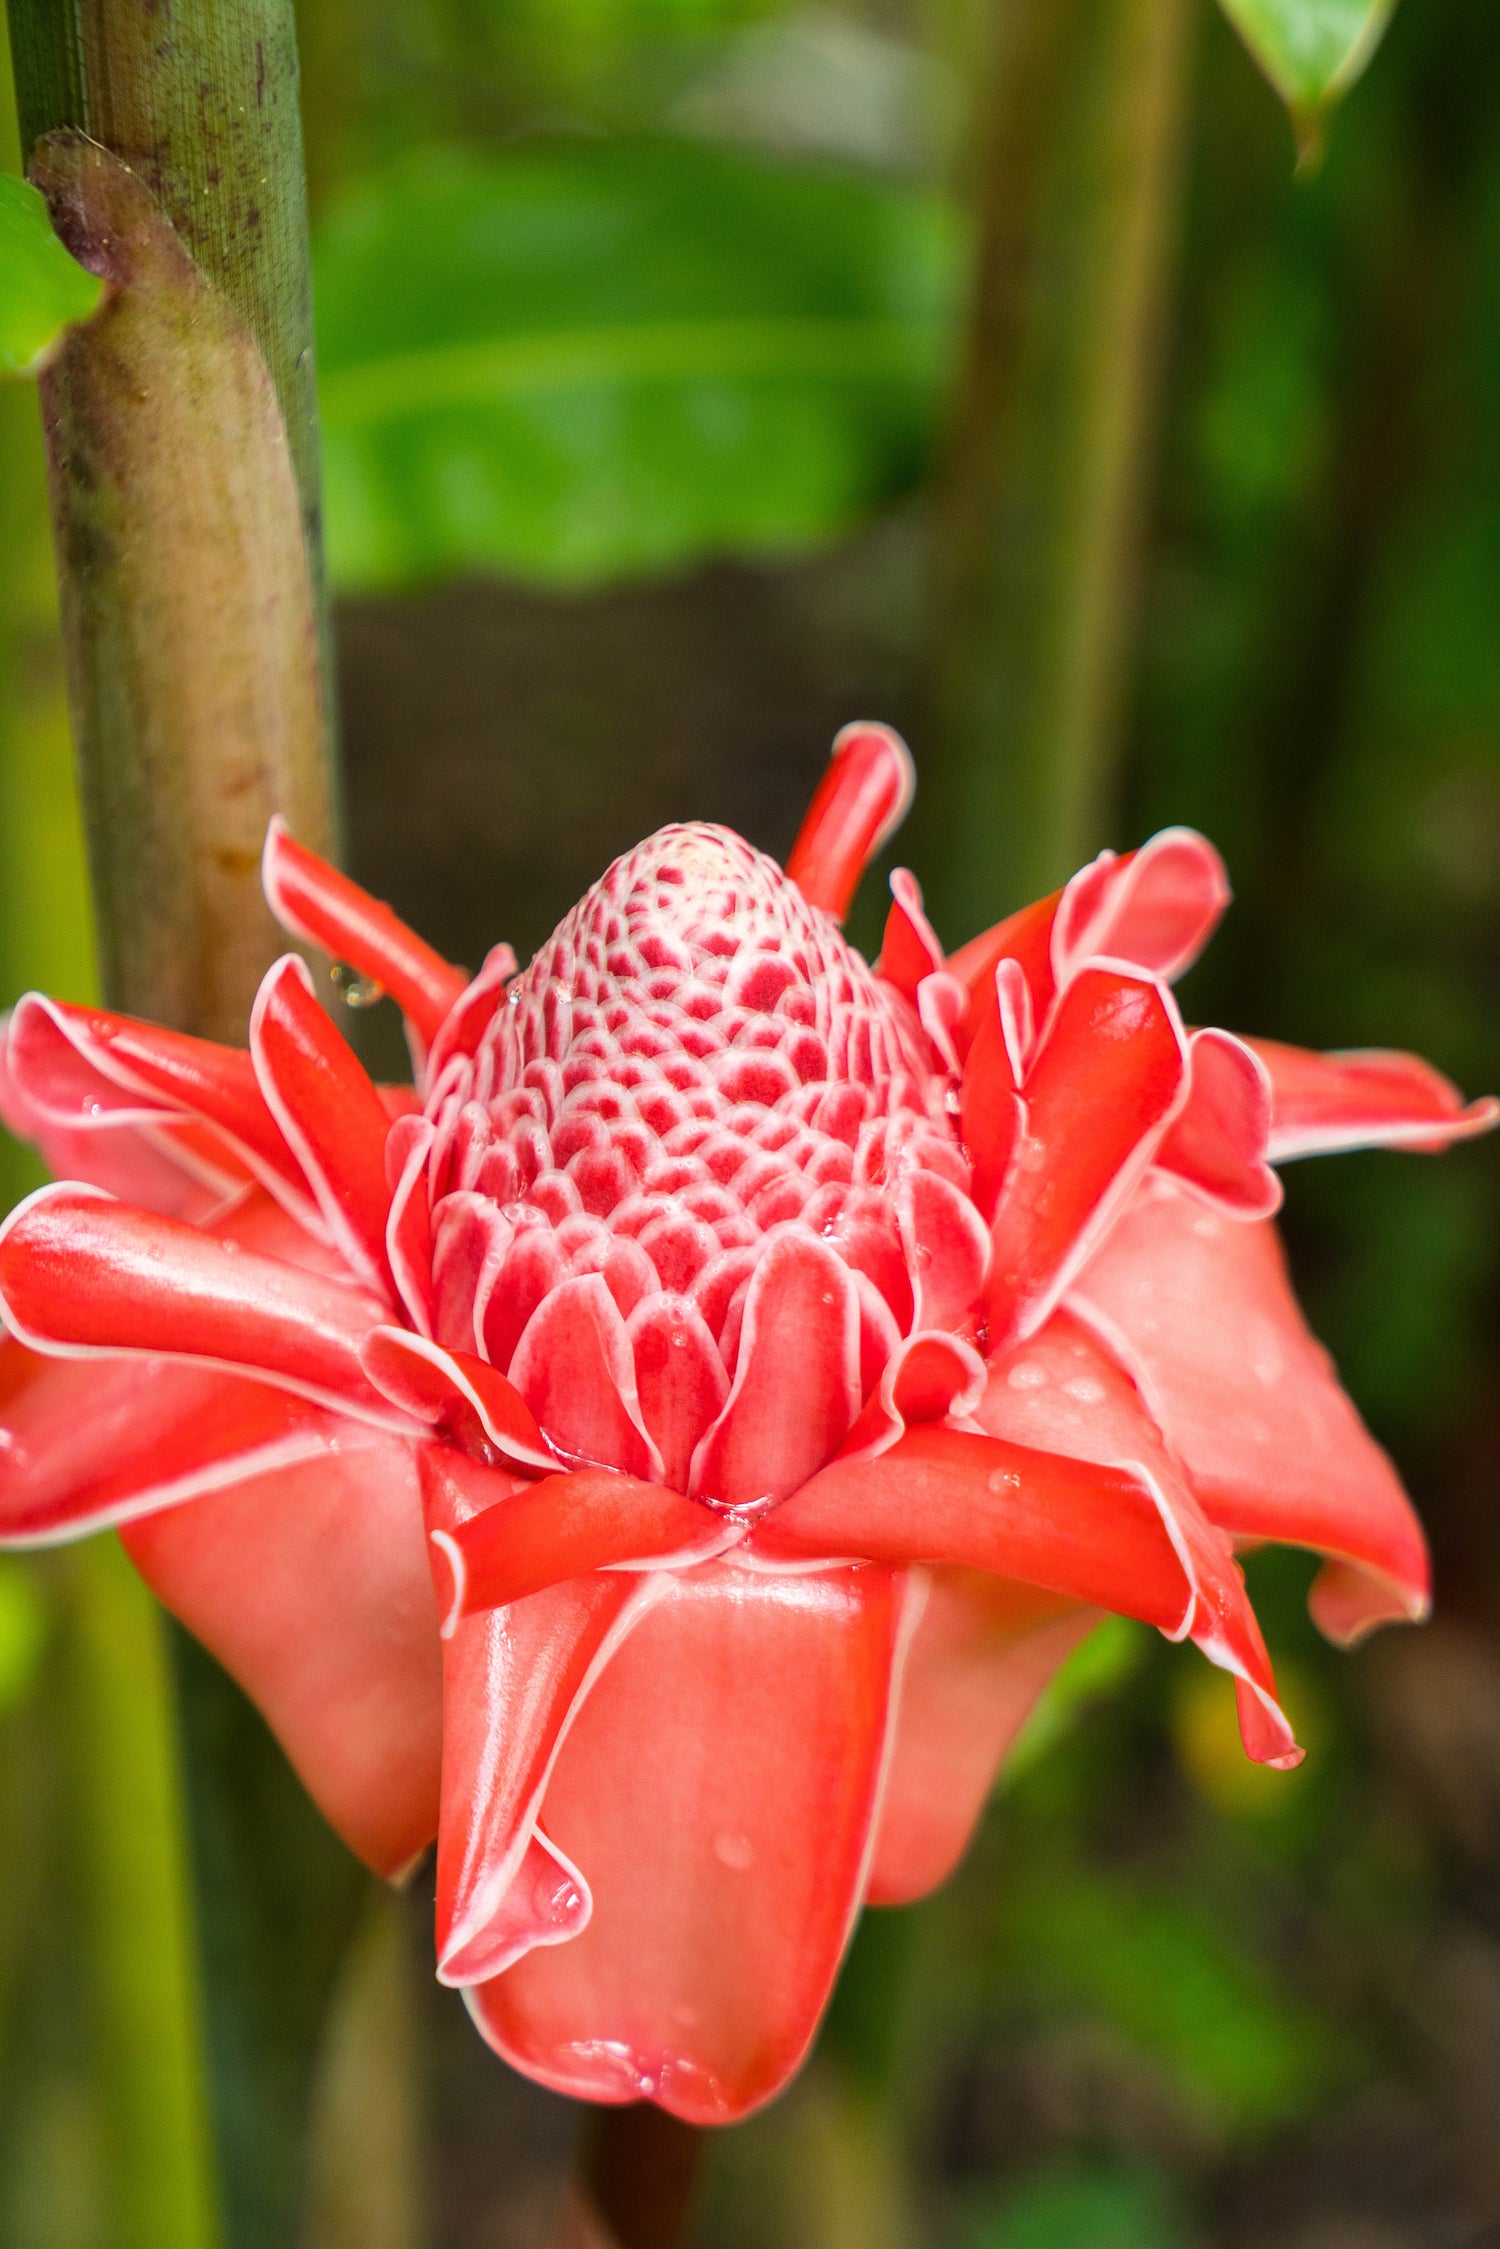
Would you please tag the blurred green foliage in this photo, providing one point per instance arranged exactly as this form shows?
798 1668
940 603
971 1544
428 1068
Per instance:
585 360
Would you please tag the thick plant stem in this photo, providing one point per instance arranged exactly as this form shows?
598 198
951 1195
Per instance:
183 474
183 447
1038 511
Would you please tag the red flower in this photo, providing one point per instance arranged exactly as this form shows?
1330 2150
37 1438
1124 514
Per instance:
789 1360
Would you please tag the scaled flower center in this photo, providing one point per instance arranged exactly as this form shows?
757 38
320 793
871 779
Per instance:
696 1058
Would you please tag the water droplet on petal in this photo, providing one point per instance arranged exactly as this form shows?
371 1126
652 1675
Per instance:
1002 1482
737 1852
1027 1376
356 990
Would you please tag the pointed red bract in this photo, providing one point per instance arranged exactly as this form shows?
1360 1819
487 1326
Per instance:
1373 1098
861 801
314 901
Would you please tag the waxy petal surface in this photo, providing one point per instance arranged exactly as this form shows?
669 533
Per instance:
80 1273
329 1113
1107 1082
1369 1098
982 1652
1198 1308
725 1875
796 1390
311 1587
862 799
315 902
87 1446
1219 1143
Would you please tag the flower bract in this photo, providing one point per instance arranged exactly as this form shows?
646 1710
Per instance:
664 1454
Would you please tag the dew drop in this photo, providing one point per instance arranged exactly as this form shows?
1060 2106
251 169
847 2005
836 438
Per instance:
1085 1389
1027 1376
737 1852
1001 1481
356 990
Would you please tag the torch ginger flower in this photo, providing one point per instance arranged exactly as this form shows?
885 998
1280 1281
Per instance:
690 1431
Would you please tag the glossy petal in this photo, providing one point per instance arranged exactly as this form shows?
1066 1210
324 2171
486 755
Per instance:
1199 1309
1156 907
861 801
1102 1519
1218 1145
680 1380
725 1868
981 1654
796 1387
85 1446
329 1113
1107 1082
80 1274
564 1527
1063 1391
514 1681
1372 1098
178 1169
573 1366
909 951
315 902
460 1395
311 1587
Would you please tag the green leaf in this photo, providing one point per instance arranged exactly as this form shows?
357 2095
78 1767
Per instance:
42 289
1311 50
587 360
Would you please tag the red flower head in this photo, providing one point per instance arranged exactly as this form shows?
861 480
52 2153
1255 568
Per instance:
788 1359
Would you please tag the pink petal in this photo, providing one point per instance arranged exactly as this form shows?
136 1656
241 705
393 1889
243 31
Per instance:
862 799
1026 939
523 1541
716 1790
329 1113
909 951
1107 1082
315 902
680 1379
311 1587
1199 1308
1156 908
981 1654
1371 1098
947 1249
991 1116
464 1397
1077 1496
86 1446
573 1367
172 1164
1064 1392
1218 1144
796 1384
514 1680
80 1273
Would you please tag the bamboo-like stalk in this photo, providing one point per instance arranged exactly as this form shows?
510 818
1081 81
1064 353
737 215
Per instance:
1038 510
184 486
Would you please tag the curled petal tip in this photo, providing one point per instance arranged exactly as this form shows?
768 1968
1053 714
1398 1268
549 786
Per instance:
862 799
448 1554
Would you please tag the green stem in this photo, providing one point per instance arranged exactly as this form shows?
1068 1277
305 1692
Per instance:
1038 512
